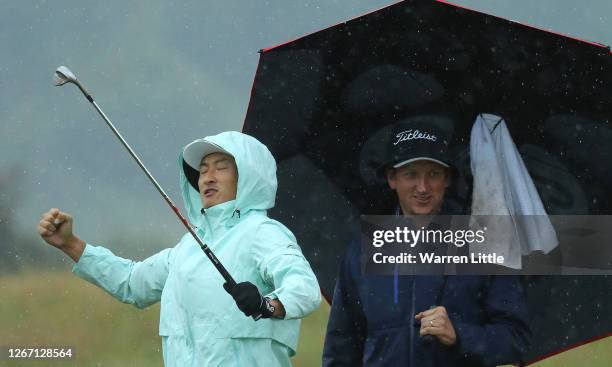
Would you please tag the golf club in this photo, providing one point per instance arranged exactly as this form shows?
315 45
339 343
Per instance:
62 76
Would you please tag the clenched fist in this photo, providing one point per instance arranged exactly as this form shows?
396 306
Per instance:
55 227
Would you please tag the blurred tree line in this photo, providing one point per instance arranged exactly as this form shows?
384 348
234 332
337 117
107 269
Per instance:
8 238
19 250
23 249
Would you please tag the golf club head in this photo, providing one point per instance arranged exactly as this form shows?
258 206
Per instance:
63 75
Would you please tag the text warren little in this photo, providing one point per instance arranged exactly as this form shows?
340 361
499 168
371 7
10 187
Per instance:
431 258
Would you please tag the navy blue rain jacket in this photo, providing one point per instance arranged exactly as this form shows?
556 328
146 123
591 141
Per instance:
372 319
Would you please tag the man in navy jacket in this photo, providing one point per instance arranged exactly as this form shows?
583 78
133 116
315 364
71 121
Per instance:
389 320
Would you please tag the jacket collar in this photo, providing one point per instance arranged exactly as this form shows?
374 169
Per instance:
224 214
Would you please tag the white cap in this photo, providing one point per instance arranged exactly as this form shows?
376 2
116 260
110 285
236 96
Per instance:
198 149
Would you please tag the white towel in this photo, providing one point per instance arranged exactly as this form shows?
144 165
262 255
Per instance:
503 187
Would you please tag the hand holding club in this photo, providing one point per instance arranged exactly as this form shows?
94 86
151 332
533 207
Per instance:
250 301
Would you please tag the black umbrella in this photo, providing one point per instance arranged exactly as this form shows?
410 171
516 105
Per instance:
324 102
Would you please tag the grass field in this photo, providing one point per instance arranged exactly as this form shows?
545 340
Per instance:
59 309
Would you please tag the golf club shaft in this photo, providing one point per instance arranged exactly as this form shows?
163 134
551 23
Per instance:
224 273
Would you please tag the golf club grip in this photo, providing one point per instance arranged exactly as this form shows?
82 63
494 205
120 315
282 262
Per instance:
224 273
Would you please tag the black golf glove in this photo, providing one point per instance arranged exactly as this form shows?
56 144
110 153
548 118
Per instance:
249 300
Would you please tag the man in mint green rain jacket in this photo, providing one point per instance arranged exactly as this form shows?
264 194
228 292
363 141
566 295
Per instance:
201 324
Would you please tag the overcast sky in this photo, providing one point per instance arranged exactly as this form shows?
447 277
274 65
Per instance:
166 73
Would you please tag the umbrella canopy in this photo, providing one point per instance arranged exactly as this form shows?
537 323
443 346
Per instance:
324 104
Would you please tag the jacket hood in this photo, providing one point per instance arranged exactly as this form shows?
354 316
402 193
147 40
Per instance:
256 174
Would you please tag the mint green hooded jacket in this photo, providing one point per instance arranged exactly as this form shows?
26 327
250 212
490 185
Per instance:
200 324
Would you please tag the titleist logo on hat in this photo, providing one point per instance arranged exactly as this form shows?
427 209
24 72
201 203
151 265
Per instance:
413 134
